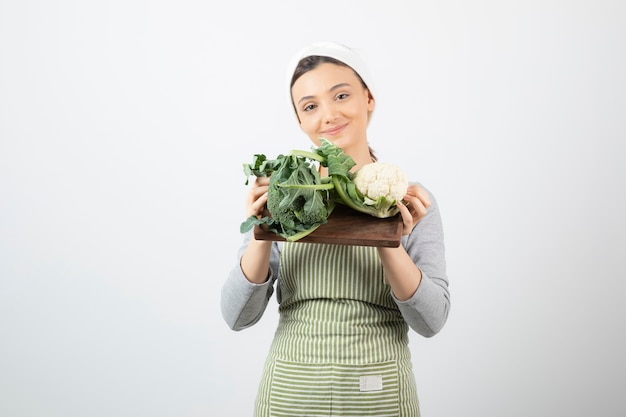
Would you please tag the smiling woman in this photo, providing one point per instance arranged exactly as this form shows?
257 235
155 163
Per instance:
118 218
346 91
341 347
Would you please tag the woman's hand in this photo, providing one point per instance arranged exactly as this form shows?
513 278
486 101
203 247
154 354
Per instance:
417 203
255 262
256 199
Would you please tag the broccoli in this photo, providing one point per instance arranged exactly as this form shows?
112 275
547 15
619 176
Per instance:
299 200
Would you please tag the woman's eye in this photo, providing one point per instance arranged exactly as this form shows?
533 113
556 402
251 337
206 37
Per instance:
342 96
308 107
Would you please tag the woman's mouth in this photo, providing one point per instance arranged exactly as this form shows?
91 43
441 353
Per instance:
334 130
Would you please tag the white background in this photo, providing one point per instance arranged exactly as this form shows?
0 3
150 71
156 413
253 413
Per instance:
123 128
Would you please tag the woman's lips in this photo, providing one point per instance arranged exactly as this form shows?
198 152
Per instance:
335 130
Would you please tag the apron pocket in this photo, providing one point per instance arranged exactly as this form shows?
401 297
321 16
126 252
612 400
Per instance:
305 389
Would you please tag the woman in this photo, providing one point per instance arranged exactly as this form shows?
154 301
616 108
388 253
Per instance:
341 346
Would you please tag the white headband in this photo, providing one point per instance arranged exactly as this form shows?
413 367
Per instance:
335 50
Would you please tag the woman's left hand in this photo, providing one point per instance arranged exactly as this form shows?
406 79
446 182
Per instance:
417 202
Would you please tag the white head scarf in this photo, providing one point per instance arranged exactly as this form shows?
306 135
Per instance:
348 56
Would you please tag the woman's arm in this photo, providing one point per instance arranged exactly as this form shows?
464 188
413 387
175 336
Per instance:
250 283
243 301
416 271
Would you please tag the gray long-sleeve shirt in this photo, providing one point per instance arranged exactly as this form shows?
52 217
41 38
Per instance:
243 303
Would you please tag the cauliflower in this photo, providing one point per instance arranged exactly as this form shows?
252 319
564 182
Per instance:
382 185
381 179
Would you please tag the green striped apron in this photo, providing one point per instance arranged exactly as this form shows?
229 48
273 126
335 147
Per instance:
341 345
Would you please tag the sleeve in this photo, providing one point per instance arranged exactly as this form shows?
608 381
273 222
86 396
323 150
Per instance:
242 302
426 311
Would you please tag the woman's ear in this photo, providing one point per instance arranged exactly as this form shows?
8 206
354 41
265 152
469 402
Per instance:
371 103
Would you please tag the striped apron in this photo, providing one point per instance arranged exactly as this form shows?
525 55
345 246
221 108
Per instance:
341 345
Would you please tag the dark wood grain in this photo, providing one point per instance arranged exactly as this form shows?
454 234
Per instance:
349 227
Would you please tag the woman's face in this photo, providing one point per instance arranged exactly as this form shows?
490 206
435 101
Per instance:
331 102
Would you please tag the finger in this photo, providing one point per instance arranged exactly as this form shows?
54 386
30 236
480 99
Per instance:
420 210
424 197
256 198
259 191
260 203
256 191
262 181
417 208
421 193
256 205
407 218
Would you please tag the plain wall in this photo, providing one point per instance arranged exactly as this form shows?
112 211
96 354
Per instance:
123 129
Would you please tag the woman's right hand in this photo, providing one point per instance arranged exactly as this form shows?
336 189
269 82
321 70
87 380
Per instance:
256 199
255 262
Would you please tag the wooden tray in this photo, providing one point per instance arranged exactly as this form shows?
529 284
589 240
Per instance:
346 226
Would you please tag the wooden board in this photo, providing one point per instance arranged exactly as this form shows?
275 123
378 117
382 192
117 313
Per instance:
346 226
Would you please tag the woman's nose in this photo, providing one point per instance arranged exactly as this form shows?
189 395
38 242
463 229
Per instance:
330 114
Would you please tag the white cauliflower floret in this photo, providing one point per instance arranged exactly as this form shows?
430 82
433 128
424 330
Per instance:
381 179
